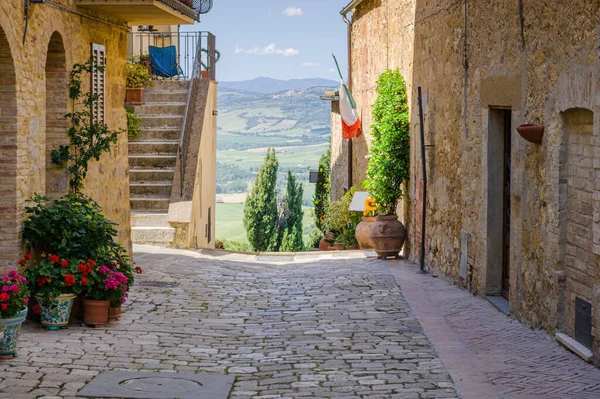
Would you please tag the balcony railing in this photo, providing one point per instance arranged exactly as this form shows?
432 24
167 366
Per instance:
196 55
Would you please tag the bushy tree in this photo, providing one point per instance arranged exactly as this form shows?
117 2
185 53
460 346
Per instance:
292 215
390 149
322 190
260 210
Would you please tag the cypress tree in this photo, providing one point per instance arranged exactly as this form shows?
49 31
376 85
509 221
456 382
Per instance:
322 190
260 210
292 216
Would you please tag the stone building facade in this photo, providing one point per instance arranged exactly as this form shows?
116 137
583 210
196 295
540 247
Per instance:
36 57
524 216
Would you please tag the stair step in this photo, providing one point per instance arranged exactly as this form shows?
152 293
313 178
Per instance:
151 175
162 121
157 134
158 189
164 108
152 161
168 85
151 219
141 204
161 96
154 147
152 235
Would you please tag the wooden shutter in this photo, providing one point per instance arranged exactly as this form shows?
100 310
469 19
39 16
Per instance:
99 82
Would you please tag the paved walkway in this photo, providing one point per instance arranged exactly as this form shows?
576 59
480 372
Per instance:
308 326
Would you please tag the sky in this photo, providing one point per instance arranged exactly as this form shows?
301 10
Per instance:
277 38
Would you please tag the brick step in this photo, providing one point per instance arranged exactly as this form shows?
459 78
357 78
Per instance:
150 219
152 161
157 134
153 204
154 147
151 175
165 96
162 108
162 121
154 189
168 85
152 235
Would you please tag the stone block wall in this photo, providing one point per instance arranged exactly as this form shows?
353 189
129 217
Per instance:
339 154
30 123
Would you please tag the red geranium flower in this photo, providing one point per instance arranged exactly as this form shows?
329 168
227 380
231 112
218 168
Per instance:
91 262
4 297
138 270
54 258
22 262
42 280
4 306
27 256
64 263
69 280
84 280
36 309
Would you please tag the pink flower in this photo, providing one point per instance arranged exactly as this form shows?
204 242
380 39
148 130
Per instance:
15 289
111 283
5 278
121 277
5 288
103 269
26 300
123 300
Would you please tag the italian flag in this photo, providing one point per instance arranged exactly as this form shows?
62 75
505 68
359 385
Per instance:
351 125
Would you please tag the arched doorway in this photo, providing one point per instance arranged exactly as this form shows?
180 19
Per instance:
56 108
9 236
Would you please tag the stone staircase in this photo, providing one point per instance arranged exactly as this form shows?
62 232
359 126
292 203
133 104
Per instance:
152 159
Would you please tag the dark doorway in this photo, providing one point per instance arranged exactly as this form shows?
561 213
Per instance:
506 206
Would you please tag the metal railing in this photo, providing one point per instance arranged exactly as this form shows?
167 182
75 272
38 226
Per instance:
186 7
196 52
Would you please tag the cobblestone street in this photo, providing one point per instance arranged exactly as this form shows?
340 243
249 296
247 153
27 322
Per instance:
337 327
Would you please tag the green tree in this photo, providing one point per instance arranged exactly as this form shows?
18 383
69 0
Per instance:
260 211
291 216
390 149
322 190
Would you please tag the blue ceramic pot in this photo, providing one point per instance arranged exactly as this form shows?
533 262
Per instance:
10 329
56 316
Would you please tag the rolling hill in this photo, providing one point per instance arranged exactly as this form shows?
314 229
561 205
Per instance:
270 86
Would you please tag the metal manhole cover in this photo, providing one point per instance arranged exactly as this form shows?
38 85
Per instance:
159 284
137 385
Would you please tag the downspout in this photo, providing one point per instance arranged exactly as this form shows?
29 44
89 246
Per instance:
350 155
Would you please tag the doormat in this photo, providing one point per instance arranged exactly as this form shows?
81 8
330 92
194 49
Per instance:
139 385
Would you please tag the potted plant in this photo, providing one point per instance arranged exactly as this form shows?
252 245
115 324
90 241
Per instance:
107 285
54 283
14 297
138 77
389 163
340 221
125 267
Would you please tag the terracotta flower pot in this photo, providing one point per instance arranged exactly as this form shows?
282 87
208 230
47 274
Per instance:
95 313
387 234
339 246
362 233
204 74
134 96
324 246
114 313
531 133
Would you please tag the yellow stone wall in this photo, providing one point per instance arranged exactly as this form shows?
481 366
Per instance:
546 76
24 133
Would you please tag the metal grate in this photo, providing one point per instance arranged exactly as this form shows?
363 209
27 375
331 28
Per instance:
583 322
159 284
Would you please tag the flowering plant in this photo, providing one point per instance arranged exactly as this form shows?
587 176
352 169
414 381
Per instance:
14 294
53 276
108 282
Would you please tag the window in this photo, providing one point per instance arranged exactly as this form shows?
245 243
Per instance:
98 83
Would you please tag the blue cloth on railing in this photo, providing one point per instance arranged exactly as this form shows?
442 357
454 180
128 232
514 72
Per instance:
164 61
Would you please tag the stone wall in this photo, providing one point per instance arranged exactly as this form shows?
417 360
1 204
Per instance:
29 113
476 62
339 154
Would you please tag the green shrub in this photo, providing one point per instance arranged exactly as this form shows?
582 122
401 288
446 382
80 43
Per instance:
133 123
390 149
322 190
138 75
236 246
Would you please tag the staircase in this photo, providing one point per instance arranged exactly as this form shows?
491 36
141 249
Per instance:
152 159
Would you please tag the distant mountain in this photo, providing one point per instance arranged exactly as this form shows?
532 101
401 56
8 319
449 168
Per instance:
270 86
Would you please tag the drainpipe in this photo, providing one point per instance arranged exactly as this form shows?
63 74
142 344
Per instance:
350 155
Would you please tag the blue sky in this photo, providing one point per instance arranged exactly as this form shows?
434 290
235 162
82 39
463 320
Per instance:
277 38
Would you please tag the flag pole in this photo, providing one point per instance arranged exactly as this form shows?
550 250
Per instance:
353 103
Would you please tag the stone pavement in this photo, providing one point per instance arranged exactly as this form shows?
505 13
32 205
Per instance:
330 326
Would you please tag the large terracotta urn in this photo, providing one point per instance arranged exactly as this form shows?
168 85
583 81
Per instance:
387 234
363 233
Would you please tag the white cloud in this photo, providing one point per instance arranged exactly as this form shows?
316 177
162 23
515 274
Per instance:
310 64
271 49
293 12
330 70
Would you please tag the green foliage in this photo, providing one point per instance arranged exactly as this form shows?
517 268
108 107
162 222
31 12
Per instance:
138 75
349 237
291 216
72 226
89 137
236 246
337 215
260 210
322 190
133 123
390 149
14 294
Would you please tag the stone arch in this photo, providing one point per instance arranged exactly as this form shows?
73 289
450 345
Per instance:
9 232
57 100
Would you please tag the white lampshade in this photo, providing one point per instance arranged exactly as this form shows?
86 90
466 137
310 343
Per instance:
358 201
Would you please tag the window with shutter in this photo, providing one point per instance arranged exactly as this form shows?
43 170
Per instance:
98 83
